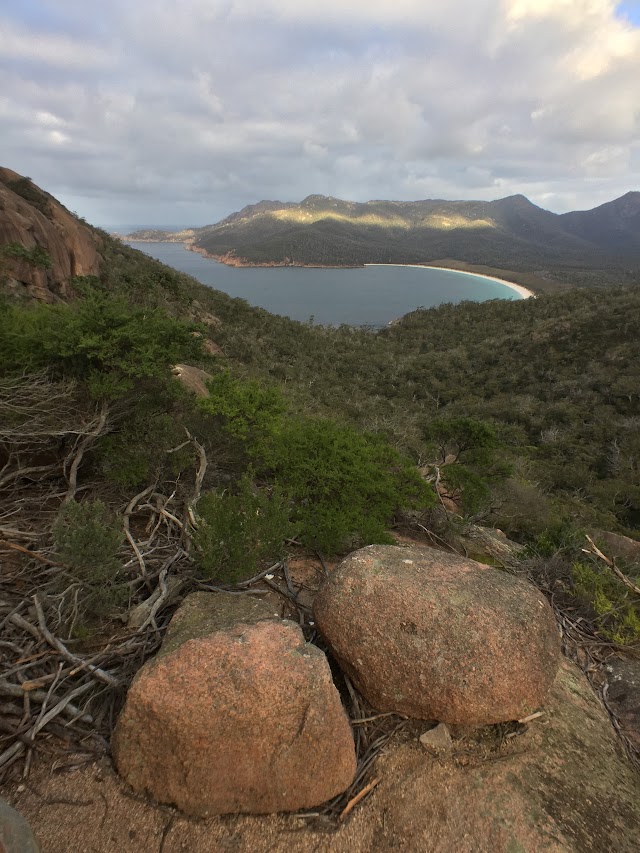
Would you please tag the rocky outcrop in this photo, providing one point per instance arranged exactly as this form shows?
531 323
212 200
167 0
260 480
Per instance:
193 378
562 785
31 218
211 347
204 613
435 636
246 719
488 545
623 695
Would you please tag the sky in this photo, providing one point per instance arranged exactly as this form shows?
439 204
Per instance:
179 112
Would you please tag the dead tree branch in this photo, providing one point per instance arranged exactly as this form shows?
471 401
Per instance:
95 430
593 549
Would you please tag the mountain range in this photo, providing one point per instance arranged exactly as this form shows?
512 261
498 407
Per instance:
509 233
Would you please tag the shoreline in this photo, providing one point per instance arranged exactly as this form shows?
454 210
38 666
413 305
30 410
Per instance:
230 260
524 292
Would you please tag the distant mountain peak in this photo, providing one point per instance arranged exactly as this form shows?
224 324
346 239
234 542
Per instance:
516 200
317 199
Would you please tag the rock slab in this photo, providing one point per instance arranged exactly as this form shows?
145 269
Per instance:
244 720
623 677
434 636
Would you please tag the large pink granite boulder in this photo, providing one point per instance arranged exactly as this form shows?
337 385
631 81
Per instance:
435 636
246 719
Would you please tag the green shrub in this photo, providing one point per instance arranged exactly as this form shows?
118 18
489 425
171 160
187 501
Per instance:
238 532
522 508
87 539
611 602
137 452
250 410
345 486
25 188
560 539
36 255
101 341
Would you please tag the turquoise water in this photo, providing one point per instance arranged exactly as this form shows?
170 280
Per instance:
372 295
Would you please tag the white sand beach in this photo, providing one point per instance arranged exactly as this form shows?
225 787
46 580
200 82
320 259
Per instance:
523 291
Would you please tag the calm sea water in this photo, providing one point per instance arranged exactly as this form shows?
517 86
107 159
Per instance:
372 295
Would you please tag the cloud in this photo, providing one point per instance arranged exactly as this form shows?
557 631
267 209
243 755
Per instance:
51 49
149 109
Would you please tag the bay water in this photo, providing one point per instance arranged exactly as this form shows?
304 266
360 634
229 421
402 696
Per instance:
367 296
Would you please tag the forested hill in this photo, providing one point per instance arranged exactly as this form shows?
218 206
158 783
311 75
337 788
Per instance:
158 437
558 376
529 409
508 234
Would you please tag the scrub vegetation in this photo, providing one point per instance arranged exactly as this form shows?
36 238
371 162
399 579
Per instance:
523 414
120 488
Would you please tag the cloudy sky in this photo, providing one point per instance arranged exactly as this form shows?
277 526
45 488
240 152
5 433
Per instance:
175 112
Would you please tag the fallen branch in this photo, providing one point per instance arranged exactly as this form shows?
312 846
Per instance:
144 614
34 554
57 644
127 530
611 564
359 796
190 515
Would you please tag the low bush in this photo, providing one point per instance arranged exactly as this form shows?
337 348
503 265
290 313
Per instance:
615 610
345 486
139 452
102 342
87 539
239 531
249 410
36 256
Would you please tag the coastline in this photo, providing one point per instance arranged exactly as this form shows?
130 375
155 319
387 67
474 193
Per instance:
231 260
524 292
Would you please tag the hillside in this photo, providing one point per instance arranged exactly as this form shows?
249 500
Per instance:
614 226
159 438
558 374
508 234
